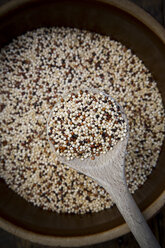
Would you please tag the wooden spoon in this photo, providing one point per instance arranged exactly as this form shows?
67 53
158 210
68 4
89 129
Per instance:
108 170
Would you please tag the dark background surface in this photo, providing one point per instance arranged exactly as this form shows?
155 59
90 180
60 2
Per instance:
157 9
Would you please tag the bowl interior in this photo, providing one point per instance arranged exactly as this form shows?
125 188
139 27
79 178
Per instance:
101 17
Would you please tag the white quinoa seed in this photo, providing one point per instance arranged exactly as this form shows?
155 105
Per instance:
35 70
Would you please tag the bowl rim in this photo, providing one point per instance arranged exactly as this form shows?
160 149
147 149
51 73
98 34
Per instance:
79 241
145 18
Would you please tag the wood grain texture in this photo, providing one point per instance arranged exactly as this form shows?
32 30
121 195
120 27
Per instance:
157 9
157 225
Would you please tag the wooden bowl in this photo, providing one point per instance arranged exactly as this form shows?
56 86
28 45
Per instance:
137 30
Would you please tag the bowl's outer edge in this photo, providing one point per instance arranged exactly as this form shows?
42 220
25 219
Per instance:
80 240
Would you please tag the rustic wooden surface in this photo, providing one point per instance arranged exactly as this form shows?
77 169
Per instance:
157 9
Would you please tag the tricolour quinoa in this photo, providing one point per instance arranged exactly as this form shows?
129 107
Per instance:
35 70
85 124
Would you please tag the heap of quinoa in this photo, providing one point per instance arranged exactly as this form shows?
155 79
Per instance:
85 124
35 69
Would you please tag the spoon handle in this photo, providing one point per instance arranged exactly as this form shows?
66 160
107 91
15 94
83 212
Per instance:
133 217
114 181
